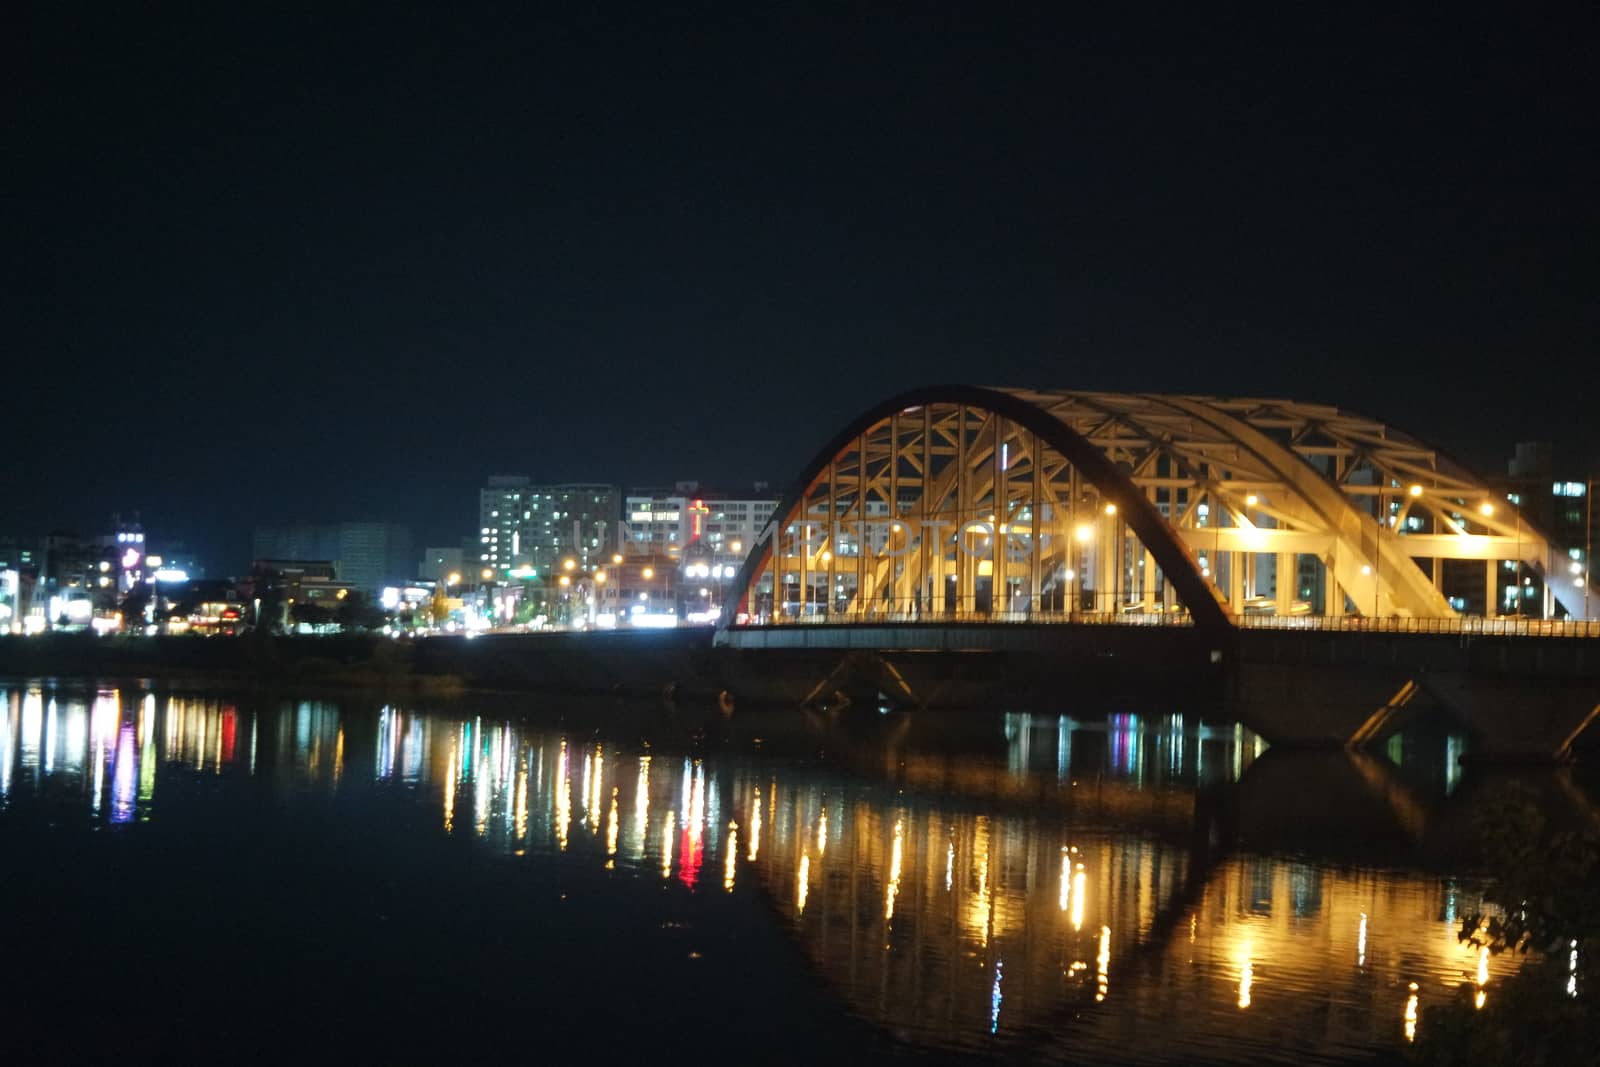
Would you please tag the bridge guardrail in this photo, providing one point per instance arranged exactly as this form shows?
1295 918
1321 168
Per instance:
1471 626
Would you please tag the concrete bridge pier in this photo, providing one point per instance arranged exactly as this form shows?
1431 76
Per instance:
1309 705
1516 719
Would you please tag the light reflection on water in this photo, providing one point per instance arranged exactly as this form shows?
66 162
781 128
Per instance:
1061 898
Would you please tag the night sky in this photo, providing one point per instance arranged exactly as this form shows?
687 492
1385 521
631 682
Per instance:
266 263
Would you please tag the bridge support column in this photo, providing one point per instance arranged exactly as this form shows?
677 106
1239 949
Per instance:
1284 582
1236 581
1516 719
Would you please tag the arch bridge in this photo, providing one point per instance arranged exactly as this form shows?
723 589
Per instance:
966 504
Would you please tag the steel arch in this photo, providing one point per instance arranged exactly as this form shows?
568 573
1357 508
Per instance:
1210 487
1153 531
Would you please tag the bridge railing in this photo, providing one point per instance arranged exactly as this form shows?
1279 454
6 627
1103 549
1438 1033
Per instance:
1468 625
1464 625
898 618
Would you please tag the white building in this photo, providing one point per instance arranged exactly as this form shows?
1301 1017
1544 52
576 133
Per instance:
533 528
724 525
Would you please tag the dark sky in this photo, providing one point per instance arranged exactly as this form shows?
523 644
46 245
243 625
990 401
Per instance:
283 263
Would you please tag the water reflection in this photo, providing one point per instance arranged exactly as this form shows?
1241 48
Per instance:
109 745
1059 897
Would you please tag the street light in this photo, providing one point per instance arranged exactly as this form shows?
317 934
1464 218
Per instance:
1588 546
1585 573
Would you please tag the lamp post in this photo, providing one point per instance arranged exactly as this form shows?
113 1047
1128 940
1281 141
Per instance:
1486 509
487 608
1085 535
1588 546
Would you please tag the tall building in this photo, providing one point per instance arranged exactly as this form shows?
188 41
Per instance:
532 529
1557 499
366 555
501 505
302 540
374 554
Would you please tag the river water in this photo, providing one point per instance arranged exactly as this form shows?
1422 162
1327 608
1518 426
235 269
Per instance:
211 874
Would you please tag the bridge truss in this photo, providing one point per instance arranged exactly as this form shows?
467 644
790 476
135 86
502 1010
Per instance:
963 503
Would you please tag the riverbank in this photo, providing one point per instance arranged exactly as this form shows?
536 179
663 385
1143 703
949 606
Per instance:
344 662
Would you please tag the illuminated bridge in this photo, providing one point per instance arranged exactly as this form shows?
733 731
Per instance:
1011 505
1324 574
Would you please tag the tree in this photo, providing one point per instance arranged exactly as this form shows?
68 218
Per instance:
358 612
1543 881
